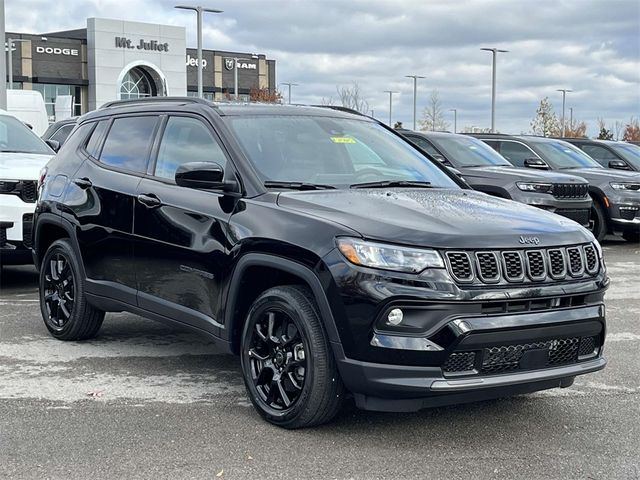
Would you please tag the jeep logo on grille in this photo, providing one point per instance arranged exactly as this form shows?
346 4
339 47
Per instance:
529 240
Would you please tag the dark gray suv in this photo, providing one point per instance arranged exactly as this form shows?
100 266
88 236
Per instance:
487 171
609 153
615 193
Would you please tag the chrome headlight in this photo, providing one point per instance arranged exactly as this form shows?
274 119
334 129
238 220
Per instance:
388 257
625 186
535 187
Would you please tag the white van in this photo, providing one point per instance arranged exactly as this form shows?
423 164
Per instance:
28 106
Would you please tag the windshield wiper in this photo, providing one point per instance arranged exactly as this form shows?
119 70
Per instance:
297 185
392 183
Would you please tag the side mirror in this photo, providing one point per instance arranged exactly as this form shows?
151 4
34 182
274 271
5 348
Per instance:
536 163
618 165
203 175
53 144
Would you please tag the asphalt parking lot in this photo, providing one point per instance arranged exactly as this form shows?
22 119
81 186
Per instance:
146 401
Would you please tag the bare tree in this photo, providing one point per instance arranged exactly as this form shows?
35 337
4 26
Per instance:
545 122
351 97
618 128
632 131
433 116
474 129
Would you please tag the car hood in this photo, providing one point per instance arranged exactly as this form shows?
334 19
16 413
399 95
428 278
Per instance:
597 175
22 166
519 174
436 217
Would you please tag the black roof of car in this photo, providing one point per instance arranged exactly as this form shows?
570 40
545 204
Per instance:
223 109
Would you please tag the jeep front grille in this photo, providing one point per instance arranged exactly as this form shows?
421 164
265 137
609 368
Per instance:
513 269
488 266
460 266
509 358
523 265
570 190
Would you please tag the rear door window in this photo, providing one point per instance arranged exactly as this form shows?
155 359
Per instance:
128 143
95 140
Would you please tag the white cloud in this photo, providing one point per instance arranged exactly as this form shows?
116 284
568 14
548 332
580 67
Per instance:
589 46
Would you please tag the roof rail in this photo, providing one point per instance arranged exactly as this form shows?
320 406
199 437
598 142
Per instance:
342 109
151 100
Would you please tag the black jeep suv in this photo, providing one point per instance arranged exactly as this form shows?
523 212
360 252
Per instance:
323 248
615 193
487 171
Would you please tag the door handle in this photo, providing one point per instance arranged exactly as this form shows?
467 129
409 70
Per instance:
83 183
149 200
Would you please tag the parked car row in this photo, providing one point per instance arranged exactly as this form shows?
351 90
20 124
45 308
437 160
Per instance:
548 173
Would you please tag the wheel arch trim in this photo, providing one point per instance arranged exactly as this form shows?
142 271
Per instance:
288 266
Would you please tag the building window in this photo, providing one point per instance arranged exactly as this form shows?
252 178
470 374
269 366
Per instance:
49 93
205 95
137 83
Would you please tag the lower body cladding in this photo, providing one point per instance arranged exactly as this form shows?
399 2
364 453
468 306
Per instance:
481 357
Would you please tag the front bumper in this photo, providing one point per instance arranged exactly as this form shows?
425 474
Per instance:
576 209
531 359
20 214
624 211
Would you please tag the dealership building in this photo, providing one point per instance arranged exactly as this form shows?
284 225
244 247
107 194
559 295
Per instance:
114 59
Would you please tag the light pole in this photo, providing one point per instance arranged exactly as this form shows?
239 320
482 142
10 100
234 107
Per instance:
199 11
493 86
564 94
10 42
415 86
390 92
289 84
570 117
455 119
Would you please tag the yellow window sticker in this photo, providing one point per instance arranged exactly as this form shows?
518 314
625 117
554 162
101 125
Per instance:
343 140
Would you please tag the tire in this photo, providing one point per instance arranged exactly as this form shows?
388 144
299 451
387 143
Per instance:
598 221
632 236
285 353
63 305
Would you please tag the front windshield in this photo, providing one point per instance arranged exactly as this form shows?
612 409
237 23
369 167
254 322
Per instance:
331 151
564 155
468 151
628 151
15 136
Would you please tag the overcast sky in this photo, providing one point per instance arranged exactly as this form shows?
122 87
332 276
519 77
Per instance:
589 46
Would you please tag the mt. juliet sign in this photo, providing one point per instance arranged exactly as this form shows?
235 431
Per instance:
153 45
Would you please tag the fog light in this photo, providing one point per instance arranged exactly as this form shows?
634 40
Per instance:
395 317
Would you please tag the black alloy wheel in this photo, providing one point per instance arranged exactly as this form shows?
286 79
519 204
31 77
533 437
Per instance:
288 366
64 307
59 291
277 359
